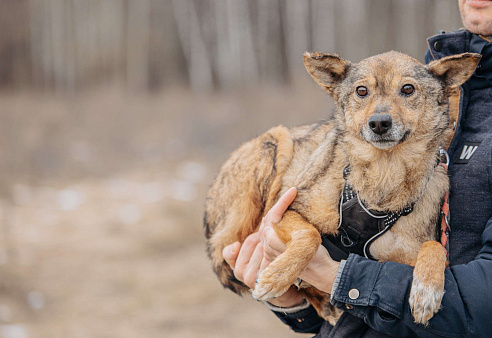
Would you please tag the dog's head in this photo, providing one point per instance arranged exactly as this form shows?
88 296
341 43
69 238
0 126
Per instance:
389 98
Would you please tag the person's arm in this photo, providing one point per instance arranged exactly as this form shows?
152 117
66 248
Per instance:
384 290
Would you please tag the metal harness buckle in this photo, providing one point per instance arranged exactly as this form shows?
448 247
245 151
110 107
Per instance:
444 153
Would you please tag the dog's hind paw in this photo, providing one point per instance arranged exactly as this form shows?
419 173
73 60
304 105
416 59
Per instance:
270 285
425 300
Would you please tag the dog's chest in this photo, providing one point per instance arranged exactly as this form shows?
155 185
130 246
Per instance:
321 205
397 246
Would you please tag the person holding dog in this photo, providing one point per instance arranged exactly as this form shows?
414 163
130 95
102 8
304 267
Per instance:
374 295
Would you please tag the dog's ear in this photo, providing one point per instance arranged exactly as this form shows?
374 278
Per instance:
454 70
326 69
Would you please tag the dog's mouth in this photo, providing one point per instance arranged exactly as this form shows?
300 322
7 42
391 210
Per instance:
394 136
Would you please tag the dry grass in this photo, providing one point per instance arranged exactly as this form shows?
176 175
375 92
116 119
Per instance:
102 199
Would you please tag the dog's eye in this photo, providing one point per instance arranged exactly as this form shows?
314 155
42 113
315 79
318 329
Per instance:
361 91
407 89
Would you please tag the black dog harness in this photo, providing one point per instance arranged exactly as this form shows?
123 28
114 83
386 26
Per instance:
359 227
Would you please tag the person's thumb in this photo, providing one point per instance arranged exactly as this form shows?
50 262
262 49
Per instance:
230 253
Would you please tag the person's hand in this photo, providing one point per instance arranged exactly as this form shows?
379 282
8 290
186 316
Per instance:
247 259
260 249
321 270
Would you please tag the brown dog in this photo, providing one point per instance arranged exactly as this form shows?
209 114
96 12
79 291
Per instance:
392 118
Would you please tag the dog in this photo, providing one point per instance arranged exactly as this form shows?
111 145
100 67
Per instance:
392 117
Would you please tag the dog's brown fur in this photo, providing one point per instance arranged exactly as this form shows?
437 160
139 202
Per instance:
388 174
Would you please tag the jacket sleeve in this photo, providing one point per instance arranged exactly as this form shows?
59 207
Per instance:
302 319
384 290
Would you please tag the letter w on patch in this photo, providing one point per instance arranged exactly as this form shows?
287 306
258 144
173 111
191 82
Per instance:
467 152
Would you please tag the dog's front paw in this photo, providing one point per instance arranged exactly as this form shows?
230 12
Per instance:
428 282
425 300
271 284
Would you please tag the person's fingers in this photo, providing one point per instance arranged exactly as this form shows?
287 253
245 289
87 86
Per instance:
272 245
251 271
261 231
265 262
230 254
275 214
245 254
256 257
240 257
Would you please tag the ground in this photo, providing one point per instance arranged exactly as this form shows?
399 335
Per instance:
101 215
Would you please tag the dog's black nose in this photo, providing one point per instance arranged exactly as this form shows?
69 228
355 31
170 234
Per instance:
380 123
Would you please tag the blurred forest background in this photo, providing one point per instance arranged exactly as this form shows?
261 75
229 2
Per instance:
114 117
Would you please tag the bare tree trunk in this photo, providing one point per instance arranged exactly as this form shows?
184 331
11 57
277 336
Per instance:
201 65
47 49
138 31
221 60
35 41
270 41
247 51
199 70
69 48
82 29
58 40
234 41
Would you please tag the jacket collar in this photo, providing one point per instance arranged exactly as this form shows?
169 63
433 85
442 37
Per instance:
446 44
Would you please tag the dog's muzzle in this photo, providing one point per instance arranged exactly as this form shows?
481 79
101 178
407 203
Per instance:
381 131
380 123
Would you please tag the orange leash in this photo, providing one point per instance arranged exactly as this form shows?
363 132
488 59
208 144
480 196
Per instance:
445 229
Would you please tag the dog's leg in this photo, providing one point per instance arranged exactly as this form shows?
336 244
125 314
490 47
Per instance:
428 282
302 240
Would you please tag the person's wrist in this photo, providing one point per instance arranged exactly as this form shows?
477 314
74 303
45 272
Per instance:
291 298
321 275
